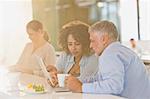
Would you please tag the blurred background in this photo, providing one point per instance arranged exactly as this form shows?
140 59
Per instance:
131 17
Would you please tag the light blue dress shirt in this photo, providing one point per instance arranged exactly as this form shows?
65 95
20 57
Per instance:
88 65
121 73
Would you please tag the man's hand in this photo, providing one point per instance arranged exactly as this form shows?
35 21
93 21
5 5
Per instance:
73 84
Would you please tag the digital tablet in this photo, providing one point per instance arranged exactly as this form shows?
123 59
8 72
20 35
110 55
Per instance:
47 75
43 67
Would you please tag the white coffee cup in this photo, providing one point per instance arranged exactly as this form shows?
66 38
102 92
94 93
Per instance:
61 79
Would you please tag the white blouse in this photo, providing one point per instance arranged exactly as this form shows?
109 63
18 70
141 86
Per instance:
29 61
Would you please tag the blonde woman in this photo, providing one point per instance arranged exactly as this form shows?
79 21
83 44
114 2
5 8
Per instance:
40 46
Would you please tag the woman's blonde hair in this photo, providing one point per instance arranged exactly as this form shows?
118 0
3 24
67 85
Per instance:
36 25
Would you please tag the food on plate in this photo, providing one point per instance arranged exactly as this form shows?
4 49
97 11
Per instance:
36 87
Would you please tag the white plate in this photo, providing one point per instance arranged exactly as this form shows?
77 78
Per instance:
31 91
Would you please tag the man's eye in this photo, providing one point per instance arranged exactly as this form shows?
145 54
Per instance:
69 44
92 41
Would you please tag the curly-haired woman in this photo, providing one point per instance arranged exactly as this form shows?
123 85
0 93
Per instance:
77 58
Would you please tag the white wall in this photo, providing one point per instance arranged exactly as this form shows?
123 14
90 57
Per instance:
128 19
145 19
14 15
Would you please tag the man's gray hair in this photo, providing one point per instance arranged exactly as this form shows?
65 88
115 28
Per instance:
105 27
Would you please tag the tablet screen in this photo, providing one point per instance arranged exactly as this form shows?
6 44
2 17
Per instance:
43 67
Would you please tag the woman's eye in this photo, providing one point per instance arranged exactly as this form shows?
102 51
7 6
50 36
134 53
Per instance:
77 43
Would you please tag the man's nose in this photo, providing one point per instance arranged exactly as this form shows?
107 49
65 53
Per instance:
29 37
90 45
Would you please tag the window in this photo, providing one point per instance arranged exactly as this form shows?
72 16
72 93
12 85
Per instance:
14 14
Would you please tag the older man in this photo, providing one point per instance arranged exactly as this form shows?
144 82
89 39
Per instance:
121 72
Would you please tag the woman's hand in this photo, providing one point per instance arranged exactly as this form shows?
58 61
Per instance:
53 73
51 68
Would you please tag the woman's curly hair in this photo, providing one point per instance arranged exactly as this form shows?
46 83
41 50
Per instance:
79 31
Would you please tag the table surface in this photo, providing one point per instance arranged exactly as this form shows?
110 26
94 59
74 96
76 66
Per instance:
10 84
146 58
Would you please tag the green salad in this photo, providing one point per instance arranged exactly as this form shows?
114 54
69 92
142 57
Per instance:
36 87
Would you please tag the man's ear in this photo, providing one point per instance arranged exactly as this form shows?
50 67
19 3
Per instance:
105 38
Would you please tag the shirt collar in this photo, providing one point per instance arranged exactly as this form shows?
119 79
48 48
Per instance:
71 59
